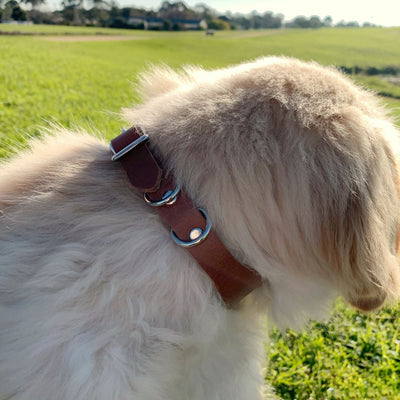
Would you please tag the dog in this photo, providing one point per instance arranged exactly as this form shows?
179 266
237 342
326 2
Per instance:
296 169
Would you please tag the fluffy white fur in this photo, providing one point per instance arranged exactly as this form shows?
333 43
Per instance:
297 168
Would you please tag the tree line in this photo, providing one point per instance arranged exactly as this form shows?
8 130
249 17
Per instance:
107 13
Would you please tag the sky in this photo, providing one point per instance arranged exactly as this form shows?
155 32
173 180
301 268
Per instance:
379 12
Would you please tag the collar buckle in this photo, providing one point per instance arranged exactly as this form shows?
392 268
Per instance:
117 155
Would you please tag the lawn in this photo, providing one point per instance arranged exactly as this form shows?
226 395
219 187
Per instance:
85 84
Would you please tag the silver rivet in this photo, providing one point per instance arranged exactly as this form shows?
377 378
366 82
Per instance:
195 233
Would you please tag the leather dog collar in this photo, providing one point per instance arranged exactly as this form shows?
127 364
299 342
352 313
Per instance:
190 226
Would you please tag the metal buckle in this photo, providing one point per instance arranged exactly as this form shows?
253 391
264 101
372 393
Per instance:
196 234
128 148
168 198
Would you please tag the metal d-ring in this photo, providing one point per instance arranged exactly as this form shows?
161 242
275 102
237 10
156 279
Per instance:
196 234
168 198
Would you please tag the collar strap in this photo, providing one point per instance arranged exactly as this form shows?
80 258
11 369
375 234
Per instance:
190 226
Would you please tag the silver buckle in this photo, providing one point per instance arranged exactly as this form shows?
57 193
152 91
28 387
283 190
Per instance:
128 148
196 234
168 198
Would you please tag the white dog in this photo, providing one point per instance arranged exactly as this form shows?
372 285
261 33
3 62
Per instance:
295 168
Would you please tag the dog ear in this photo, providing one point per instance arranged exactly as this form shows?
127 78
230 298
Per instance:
369 267
360 226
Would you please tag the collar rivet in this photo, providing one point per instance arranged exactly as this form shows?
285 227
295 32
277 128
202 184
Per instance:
195 233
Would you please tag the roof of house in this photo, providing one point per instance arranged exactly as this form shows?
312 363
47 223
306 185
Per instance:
185 21
147 19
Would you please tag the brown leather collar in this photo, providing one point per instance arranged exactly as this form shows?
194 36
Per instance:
189 225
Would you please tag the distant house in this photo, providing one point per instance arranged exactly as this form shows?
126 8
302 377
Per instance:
13 22
137 22
146 22
158 23
190 24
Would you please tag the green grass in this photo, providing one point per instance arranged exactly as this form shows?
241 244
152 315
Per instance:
83 83
344 46
351 356
394 107
86 83
380 85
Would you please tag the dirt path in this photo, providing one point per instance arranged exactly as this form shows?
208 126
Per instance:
254 33
88 38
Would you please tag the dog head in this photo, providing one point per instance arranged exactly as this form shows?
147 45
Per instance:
297 168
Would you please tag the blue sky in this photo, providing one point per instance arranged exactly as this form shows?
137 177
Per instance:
382 12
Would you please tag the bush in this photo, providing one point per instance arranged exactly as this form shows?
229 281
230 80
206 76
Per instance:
119 22
371 71
176 27
218 24
167 25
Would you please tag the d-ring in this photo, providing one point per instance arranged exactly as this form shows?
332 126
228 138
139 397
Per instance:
168 198
197 234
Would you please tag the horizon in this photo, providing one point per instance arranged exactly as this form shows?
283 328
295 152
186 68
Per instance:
385 13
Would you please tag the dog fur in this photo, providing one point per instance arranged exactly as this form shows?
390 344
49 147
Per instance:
297 168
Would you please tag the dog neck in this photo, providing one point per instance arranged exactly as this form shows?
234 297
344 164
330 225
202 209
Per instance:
190 226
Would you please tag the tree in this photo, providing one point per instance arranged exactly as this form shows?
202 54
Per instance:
12 10
72 11
265 21
33 3
99 14
367 25
328 21
205 12
239 21
353 24
315 22
299 22
304 22
100 4
6 14
218 24
271 21
255 20
177 10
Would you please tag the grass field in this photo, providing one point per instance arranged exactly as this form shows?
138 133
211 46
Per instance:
85 83
82 82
